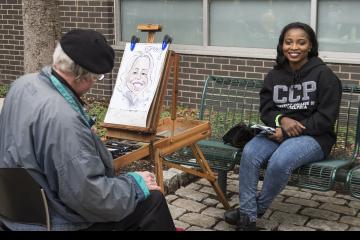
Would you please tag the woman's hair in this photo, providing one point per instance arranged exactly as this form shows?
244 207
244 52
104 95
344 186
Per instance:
314 51
65 64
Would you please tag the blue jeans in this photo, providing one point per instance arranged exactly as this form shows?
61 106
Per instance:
281 158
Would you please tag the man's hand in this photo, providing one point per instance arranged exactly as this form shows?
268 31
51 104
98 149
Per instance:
277 136
292 127
149 179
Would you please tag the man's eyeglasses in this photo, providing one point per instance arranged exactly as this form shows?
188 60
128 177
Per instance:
97 77
100 77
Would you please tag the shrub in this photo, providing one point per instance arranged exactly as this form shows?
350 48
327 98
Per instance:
4 90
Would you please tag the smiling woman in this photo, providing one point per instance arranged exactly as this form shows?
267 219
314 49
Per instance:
300 99
296 47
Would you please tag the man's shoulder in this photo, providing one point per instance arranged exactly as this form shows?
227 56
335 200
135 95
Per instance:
24 80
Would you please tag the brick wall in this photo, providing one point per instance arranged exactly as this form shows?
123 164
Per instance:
99 15
11 41
195 69
92 14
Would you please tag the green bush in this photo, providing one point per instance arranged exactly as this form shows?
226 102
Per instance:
3 90
98 109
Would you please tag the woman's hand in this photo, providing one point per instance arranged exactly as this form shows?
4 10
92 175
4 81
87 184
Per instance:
149 179
277 136
292 127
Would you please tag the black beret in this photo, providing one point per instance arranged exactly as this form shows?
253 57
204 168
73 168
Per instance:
89 49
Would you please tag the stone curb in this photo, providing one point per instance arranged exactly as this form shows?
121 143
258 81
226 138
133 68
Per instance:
174 179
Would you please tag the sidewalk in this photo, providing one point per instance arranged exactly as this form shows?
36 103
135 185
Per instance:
1 102
195 208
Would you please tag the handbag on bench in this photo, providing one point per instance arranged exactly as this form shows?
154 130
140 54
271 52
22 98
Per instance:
238 135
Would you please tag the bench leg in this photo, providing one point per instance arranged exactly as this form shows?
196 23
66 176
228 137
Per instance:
222 178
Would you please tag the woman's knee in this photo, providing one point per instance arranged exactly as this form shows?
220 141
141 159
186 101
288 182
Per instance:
247 157
279 166
252 157
249 151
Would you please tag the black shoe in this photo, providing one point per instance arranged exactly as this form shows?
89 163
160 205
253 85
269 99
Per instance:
260 214
231 216
244 224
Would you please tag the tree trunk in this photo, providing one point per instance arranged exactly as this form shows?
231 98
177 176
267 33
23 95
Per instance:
41 32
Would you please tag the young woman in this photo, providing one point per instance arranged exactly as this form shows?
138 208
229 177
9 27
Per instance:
301 99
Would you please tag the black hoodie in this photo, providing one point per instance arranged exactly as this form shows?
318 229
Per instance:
310 95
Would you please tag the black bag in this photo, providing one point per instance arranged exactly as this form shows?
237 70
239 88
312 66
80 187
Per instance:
239 135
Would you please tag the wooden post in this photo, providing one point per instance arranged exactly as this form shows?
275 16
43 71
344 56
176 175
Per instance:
174 91
151 29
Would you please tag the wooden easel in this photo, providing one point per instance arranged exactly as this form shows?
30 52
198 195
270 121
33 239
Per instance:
169 134
151 29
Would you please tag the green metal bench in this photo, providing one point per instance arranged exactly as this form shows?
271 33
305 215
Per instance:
225 102
323 175
353 176
353 182
228 101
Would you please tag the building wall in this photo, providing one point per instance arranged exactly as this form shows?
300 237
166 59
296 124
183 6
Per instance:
11 40
195 69
99 15
92 14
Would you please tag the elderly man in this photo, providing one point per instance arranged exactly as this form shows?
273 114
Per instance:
45 129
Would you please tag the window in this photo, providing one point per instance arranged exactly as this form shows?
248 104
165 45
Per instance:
243 28
339 26
181 19
254 24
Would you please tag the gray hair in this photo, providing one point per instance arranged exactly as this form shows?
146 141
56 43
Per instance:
65 64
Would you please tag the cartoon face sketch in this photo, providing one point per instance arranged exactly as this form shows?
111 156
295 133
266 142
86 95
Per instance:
137 84
137 79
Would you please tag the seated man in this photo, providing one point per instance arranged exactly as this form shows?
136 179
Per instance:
45 129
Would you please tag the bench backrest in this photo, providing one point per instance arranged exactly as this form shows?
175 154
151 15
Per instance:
227 101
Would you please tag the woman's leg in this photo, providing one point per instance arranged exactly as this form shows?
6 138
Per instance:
291 154
255 154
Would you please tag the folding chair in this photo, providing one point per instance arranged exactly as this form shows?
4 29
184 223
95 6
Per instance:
22 199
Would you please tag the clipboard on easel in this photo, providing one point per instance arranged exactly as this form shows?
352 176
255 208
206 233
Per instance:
145 132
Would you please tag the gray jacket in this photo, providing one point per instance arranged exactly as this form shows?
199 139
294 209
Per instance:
41 132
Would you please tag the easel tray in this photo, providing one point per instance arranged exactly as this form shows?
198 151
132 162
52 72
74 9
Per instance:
171 136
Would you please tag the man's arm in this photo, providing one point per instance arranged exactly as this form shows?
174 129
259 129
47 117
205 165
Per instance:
83 180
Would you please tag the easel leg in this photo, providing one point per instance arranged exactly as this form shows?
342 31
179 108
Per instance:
158 161
207 170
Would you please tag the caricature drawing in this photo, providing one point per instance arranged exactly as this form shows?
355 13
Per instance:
137 81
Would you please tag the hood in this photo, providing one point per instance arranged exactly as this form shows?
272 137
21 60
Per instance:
305 69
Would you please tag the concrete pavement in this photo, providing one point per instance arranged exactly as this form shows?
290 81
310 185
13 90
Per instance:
195 207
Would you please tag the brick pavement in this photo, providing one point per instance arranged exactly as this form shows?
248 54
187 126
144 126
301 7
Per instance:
196 208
